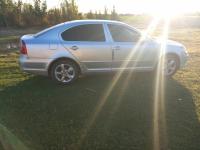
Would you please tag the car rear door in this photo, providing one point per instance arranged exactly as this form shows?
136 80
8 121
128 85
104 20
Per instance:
88 43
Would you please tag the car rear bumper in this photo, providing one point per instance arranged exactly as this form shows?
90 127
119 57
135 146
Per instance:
35 66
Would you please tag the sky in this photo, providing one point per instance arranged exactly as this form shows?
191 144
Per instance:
134 6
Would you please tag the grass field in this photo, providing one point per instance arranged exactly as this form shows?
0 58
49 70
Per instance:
46 116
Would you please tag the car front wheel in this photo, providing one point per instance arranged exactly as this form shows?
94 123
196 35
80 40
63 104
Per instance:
170 65
64 71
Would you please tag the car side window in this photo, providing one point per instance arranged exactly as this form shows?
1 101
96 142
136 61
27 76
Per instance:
121 33
88 32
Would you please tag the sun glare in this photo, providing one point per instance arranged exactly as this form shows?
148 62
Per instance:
162 9
167 8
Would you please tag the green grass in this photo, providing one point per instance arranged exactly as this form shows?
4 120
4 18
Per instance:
46 116
5 39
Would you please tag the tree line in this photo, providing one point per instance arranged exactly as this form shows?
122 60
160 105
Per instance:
21 14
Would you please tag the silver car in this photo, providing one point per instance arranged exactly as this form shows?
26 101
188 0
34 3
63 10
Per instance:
70 49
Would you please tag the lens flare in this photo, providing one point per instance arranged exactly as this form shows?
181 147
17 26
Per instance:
159 118
150 29
114 82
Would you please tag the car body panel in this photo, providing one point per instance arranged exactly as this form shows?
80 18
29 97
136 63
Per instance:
94 55
130 55
134 55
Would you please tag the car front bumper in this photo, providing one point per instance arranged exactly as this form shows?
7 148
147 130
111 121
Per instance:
183 59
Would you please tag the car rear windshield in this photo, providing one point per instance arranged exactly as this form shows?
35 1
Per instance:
46 30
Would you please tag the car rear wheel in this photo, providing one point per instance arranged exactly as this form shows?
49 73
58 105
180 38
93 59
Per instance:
64 71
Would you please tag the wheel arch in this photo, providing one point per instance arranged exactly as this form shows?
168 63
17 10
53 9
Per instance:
173 54
63 58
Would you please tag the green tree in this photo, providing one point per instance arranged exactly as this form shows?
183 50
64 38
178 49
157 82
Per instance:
69 10
37 12
44 13
99 15
18 13
54 16
3 21
90 15
44 8
105 15
27 14
10 13
114 15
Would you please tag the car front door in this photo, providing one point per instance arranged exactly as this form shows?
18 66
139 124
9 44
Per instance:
129 52
88 42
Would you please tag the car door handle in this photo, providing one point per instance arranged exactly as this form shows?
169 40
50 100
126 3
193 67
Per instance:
116 48
74 48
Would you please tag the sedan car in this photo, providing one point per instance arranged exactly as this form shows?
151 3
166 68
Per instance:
70 49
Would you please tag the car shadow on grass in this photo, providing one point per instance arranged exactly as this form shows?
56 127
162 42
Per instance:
46 116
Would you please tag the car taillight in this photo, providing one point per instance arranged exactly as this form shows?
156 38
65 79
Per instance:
23 49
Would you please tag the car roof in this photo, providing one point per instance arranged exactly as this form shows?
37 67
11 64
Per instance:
90 21
94 21
79 22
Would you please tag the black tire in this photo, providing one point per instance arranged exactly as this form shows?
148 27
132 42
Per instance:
67 63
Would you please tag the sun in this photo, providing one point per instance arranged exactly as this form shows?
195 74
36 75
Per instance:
167 8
